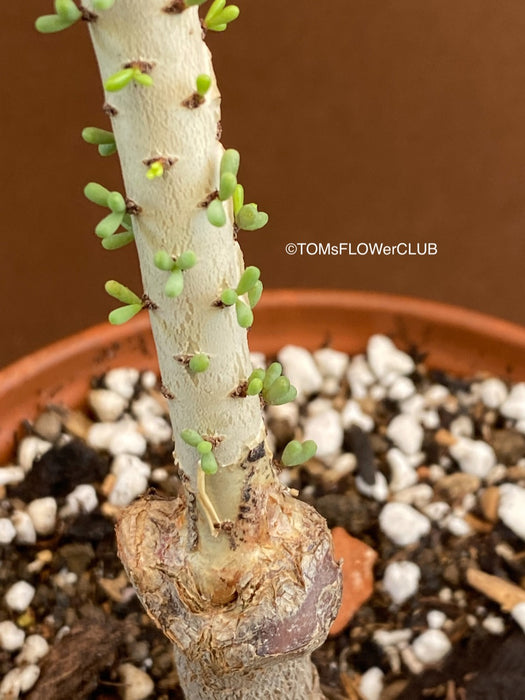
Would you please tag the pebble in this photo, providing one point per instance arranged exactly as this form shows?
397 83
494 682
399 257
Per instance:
359 377
514 404
107 405
511 508
99 435
436 510
403 524
462 426
378 490
386 361
494 624
435 395
353 414
300 368
401 388
392 638
147 405
377 392
473 456
25 530
127 440
402 475
11 636
413 406
436 619
318 405
30 449
401 580
137 684
288 412
43 512
431 647
128 486
122 380
331 363
457 526
406 433
430 419
326 430
129 464
457 485
35 648
518 614
371 684
493 392
156 429
83 499
418 495
19 596
343 464
11 475
148 380
18 680
7 531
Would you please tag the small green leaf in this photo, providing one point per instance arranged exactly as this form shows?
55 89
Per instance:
142 78
191 437
238 199
118 240
277 390
209 463
119 80
121 292
222 19
230 161
103 4
290 395
249 219
66 9
204 447
156 169
272 373
189 3
164 261
116 202
254 387
203 84
107 149
258 373
175 284
216 7
97 194
199 362
244 314
248 278
294 453
49 24
108 225
96 136
124 313
255 293
227 186
216 214
229 297
186 260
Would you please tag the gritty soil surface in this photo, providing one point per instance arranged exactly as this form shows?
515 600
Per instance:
85 609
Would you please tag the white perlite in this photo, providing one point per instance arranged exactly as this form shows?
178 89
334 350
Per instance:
11 636
122 380
127 487
300 368
326 430
30 449
83 499
401 580
18 680
514 404
406 433
155 429
35 648
378 490
432 646
403 524
25 530
402 388
511 508
386 361
11 475
518 613
7 531
493 392
436 619
494 624
403 474
371 684
19 596
107 405
352 414
473 456
43 513
137 684
331 363
359 377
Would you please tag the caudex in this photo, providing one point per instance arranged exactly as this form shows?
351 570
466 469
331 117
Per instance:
237 572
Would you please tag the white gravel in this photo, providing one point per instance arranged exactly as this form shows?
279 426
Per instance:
406 433
107 404
493 392
511 508
7 531
331 363
436 619
11 475
18 680
83 499
473 456
11 636
401 580
19 596
378 490
300 368
371 684
514 404
137 684
43 513
386 361
431 647
353 414
35 648
30 449
402 474
403 524
25 530
122 380
359 376
326 430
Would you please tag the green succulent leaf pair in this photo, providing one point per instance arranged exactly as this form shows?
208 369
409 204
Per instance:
132 302
296 453
121 78
229 168
204 448
274 387
219 15
107 228
175 266
247 216
249 284
105 140
66 14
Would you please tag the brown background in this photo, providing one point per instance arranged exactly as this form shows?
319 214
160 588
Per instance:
357 120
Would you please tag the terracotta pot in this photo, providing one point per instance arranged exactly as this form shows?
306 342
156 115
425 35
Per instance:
453 339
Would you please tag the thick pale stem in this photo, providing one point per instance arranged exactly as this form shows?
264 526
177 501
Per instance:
155 121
